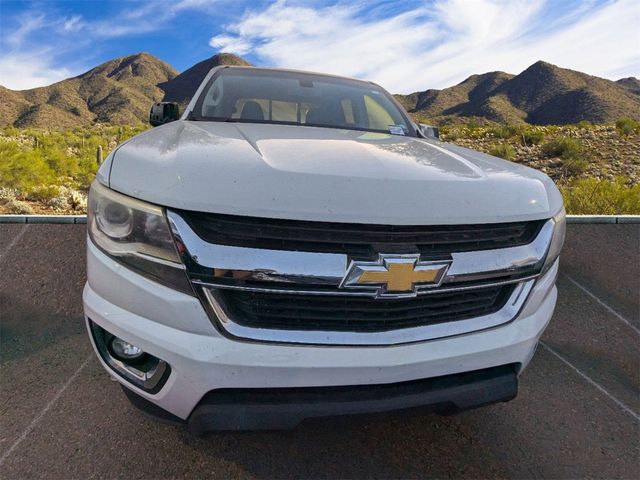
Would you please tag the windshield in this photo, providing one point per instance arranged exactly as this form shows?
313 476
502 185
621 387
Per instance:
293 98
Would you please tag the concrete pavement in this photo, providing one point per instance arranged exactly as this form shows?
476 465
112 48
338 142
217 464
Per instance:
577 413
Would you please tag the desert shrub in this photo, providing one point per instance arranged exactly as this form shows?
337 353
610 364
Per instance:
77 201
502 131
42 192
627 126
22 169
17 207
59 203
565 148
503 150
602 197
574 159
584 124
34 157
452 136
62 164
7 194
473 124
10 131
449 134
529 136
575 166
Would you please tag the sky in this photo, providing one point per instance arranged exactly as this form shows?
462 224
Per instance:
405 46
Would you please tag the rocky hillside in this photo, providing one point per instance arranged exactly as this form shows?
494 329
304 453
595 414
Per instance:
119 91
542 94
563 152
630 83
181 88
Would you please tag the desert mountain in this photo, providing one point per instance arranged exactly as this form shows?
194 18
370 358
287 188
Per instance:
121 91
630 83
542 94
181 88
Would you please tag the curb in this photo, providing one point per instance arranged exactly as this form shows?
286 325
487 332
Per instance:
81 219
598 219
45 219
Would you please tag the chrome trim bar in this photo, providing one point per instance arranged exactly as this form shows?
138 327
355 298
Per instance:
391 337
502 260
328 269
353 293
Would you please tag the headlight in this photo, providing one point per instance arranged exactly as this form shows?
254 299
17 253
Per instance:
136 234
559 230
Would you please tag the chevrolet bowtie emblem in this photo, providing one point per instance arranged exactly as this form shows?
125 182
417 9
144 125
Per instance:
394 275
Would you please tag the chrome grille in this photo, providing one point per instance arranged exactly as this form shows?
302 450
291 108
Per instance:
255 288
359 314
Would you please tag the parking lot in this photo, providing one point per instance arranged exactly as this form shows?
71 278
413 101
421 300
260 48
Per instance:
577 413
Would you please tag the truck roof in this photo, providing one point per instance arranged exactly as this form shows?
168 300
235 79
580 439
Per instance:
291 70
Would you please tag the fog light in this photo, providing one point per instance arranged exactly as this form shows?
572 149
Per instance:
124 350
129 361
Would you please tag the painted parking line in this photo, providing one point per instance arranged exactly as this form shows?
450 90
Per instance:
602 303
12 243
44 411
591 381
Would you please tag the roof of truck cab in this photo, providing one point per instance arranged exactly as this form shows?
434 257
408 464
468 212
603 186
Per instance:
291 70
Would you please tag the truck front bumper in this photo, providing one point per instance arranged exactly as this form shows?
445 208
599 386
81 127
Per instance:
211 374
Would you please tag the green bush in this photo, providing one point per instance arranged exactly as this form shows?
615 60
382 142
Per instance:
32 157
43 193
503 131
574 160
451 135
627 126
529 136
473 124
62 164
603 197
584 124
503 150
575 166
565 148
22 169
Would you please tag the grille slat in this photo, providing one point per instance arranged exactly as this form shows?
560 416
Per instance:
284 307
281 311
355 239
302 316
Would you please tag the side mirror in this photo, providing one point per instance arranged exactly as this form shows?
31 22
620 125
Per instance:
163 112
428 131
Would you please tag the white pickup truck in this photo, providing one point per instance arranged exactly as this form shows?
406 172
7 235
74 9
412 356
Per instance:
294 246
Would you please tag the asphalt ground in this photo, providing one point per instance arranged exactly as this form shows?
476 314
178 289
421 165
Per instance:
577 414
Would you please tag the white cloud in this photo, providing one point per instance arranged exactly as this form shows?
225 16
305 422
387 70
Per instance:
24 71
149 17
230 44
29 23
23 66
442 43
72 24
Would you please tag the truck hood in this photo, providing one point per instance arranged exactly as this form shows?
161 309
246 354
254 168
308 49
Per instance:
323 174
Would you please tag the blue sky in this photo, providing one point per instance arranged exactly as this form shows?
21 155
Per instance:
403 45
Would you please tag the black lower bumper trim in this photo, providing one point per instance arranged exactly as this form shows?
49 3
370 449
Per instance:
285 408
151 409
